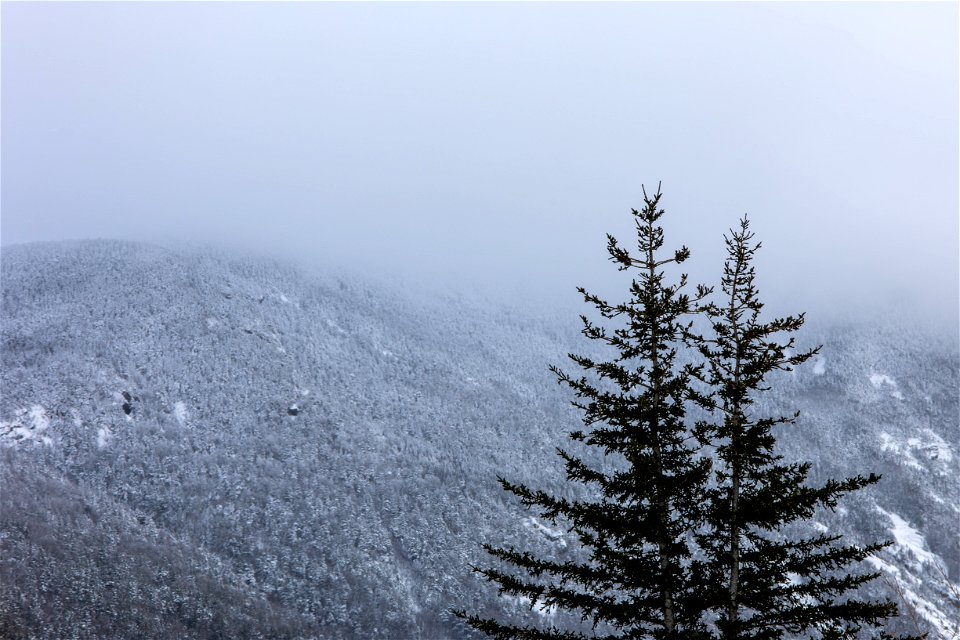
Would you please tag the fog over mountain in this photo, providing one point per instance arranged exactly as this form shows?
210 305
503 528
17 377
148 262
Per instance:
492 145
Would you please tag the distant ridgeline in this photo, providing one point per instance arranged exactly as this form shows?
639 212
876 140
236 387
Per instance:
198 445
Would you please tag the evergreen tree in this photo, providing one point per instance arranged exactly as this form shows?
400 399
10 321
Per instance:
636 579
763 583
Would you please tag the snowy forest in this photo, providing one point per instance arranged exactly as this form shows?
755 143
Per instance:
198 444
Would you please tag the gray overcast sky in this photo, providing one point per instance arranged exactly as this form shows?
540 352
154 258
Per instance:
497 143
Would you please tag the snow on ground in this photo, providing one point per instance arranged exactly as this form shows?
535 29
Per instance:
555 535
903 454
38 418
407 584
180 412
884 566
103 437
924 453
933 615
942 622
881 380
936 447
819 366
909 539
26 425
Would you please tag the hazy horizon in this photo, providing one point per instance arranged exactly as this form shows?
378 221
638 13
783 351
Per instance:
492 146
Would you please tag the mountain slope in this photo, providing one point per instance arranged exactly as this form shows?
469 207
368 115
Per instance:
242 449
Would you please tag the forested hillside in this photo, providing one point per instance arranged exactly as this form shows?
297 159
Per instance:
200 445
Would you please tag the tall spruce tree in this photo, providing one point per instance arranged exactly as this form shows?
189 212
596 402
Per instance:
763 582
636 579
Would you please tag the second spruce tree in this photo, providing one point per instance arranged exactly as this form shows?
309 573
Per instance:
765 580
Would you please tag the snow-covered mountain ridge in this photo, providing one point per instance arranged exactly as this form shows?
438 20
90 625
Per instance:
196 445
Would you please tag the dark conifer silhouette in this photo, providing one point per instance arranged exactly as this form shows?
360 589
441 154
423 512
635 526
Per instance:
764 584
677 547
637 579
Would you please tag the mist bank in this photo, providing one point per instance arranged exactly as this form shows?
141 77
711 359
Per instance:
492 146
550 289
790 282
